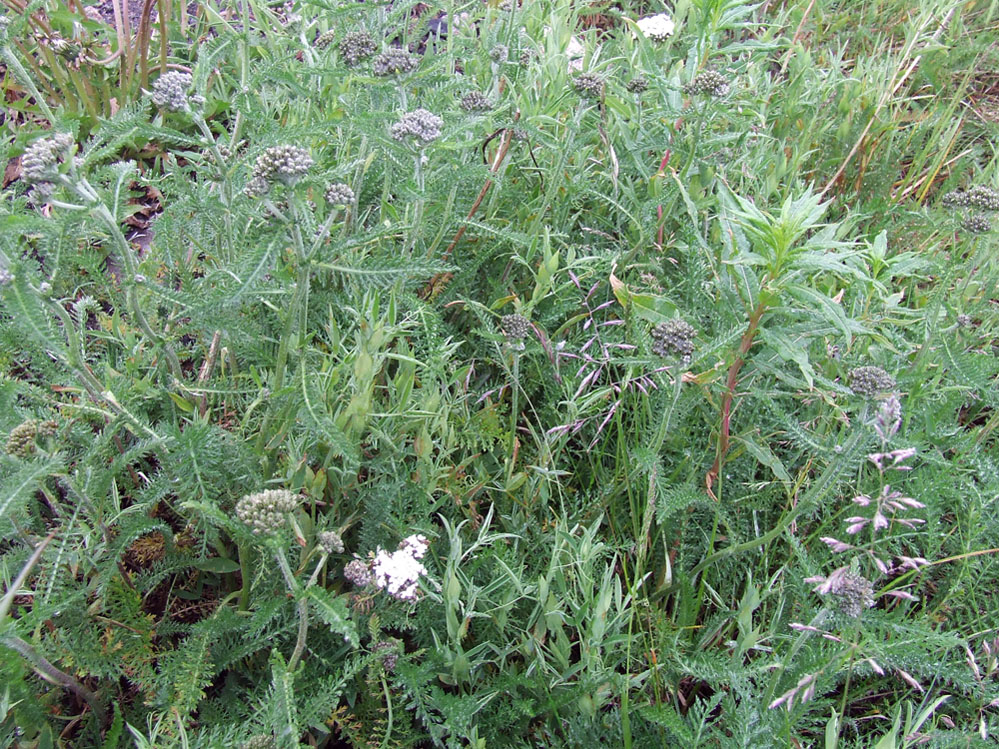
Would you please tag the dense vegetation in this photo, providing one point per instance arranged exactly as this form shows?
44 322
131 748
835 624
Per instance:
466 374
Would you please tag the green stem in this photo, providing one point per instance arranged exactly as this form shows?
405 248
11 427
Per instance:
388 704
244 573
303 610
22 75
47 671
83 188
514 407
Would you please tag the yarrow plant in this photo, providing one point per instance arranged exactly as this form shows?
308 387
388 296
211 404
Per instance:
709 82
42 159
674 336
286 164
515 327
266 512
339 194
589 84
170 91
658 28
397 573
421 125
474 101
871 382
394 61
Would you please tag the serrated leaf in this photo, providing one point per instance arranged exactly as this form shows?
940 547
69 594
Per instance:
765 456
218 565
333 611
285 713
20 486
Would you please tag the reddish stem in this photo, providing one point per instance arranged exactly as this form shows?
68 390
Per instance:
726 409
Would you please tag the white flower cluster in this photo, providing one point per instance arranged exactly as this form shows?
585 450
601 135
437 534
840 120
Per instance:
657 27
398 572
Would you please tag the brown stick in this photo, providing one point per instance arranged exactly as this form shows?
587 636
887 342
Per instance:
438 282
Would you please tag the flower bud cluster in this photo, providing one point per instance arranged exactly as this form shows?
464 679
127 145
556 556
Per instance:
515 327
330 542
394 61
419 124
589 84
475 102
674 336
41 159
21 440
979 196
499 53
854 594
170 91
265 512
637 85
357 572
708 82
977 223
357 46
388 650
338 194
262 741
324 40
870 382
283 163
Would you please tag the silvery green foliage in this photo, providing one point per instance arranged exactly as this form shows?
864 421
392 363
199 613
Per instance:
170 91
394 61
674 336
357 46
266 512
261 741
339 194
421 125
42 158
870 382
283 163
709 82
